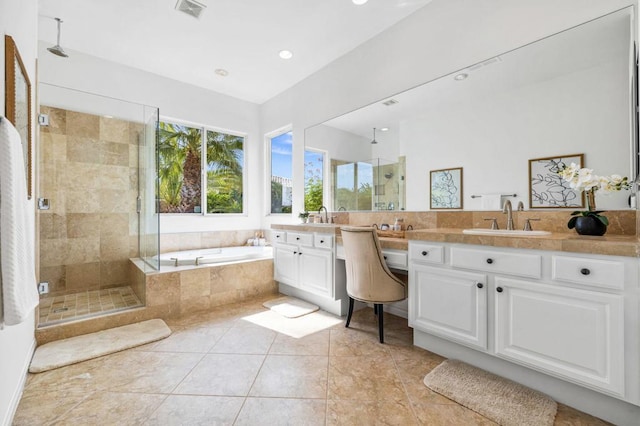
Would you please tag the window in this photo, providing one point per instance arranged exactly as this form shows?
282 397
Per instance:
281 172
180 154
313 180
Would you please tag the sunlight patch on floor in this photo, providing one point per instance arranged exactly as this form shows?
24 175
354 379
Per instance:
294 327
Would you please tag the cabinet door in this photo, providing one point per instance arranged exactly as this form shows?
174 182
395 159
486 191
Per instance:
285 264
316 271
450 304
575 334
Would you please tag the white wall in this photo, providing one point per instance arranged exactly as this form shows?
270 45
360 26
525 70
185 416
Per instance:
580 112
19 19
444 36
175 100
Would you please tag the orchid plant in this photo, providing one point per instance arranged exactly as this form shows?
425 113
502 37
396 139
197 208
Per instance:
583 179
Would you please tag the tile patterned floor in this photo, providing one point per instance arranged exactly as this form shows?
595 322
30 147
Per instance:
218 368
57 309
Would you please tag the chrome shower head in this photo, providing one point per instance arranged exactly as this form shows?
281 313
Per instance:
57 49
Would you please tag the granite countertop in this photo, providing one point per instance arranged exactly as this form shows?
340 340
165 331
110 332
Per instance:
614 245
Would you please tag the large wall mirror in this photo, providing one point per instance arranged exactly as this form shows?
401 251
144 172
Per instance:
566 94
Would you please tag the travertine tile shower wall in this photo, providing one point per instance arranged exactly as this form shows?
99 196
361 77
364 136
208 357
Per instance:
88 168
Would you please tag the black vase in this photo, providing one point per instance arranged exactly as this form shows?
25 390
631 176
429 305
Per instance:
589 225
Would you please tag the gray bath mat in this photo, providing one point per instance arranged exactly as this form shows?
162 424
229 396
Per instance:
503 401
290 307
88 346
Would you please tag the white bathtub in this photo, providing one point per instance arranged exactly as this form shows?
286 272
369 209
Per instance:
214 255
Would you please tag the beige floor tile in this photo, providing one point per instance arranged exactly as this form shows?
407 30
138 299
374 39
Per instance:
449 415
313 344
245 340
355 342
38 408
365 379
223 375
196 410
292 376
280 411
197 339
567 416
111 408
349 412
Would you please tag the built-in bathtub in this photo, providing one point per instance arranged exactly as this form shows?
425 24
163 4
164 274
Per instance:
213 255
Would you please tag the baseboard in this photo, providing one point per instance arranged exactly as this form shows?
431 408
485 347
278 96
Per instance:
17 395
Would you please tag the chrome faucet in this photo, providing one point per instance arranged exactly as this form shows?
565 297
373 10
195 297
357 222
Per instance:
509 211
326 214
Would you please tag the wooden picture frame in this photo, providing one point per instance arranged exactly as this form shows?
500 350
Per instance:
547 190
18 102
446 189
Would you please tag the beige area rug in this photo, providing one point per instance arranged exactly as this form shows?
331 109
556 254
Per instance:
290 307
81 348
501 400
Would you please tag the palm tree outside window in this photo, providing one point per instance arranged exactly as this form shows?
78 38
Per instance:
180 151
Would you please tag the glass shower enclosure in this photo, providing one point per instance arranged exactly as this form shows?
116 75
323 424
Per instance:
96 190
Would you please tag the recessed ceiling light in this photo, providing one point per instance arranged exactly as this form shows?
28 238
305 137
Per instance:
384 129
359 2
461 76
221 72
286 54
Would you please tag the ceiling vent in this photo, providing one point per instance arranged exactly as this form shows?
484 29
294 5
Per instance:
191 7
390 102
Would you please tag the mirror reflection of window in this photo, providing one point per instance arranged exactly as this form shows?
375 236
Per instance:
313 180
281 146
353 187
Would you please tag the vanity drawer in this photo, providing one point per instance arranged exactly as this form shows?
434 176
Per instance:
395 258
278 236
587 271
522 265
426 253
323 240
300 238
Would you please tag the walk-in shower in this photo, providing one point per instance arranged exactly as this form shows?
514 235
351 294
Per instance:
96 190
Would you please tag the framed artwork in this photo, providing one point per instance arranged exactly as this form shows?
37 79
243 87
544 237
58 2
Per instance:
547 190
446 189
18 101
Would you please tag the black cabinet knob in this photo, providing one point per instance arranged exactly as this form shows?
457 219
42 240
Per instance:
489 261
300 253
277 236
385 257
295 252
499 289
479 285
321 241
424 253
297 238
585 271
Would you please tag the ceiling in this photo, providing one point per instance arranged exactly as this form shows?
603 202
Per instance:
600 41
240 36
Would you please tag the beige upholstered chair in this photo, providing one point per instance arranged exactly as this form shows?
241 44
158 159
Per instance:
368 277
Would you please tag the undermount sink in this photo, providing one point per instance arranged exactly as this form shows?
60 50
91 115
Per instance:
504 232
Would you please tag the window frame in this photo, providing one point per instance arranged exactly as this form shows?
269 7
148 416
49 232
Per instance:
203 166
268 164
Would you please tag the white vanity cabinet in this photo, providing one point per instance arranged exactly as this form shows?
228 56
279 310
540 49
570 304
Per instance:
572 316
304 267
450 304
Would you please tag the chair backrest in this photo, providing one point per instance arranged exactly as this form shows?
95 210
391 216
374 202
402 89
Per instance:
368 277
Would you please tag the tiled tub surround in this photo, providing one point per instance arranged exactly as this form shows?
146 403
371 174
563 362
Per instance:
89 170
202 240
176 292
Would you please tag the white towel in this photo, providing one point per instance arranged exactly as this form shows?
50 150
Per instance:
491 202
17 264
